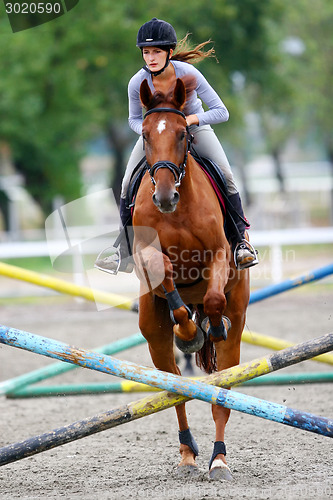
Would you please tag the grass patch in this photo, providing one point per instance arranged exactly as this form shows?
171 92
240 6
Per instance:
38 264
35 300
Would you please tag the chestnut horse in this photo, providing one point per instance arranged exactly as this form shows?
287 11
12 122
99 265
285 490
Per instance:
193 259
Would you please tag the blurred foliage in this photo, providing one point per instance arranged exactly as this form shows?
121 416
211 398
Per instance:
65 82
313 75
295 98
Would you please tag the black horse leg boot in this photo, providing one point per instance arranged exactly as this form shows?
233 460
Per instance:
121 258
245 254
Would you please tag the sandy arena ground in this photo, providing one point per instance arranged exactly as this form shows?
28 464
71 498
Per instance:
137 460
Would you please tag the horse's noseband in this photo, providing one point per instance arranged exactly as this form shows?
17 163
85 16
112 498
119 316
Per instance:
178 171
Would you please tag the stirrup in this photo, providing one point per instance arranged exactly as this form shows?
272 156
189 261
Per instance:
249 261
113 263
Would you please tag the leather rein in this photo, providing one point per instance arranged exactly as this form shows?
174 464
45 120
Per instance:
178 171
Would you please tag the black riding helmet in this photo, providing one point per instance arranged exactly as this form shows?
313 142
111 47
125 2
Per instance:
157 33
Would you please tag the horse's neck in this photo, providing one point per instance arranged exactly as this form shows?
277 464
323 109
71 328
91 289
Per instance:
197 188
188 183
166 82
164 86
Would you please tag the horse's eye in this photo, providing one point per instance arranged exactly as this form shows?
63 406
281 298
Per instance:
182 136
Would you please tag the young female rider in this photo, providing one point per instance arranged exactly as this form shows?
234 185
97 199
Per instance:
157 40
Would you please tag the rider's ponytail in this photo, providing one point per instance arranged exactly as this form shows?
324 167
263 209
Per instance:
185 53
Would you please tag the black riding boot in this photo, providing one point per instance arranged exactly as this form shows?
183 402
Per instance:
126 236
121 259
244 253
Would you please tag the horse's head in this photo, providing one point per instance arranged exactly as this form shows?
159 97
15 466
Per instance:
166 141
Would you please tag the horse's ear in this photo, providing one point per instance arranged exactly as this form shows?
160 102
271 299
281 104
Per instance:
179 94
145 94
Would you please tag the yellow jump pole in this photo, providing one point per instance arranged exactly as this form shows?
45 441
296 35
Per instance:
65 287
278 344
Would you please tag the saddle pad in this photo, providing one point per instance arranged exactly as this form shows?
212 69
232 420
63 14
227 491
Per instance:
217 190
135 182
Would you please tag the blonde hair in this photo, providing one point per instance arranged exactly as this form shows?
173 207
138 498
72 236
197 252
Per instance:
185 53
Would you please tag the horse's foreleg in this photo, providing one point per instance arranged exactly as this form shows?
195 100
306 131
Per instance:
184 328
214 301
156 326
228 354
156 269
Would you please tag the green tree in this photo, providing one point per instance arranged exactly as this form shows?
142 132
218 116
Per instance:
66 81
313 75
39 105
296 98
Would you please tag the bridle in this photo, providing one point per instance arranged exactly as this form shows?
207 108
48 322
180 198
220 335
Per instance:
178 171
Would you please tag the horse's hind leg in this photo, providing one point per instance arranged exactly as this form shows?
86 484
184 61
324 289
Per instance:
228 354
156 326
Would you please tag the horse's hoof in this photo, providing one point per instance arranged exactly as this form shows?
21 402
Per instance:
186 332
191 346
220 471
187 471
217 333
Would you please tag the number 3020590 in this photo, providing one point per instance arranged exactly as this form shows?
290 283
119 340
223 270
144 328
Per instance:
33 8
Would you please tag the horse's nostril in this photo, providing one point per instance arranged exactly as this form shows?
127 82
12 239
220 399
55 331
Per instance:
155 200
176 197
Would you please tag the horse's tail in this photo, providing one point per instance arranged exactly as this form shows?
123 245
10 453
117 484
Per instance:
206 357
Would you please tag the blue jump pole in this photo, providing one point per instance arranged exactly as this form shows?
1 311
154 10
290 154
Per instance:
271 290
16 383
173 383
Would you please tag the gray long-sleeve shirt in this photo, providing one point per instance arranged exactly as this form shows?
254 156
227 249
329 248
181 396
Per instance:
216 113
